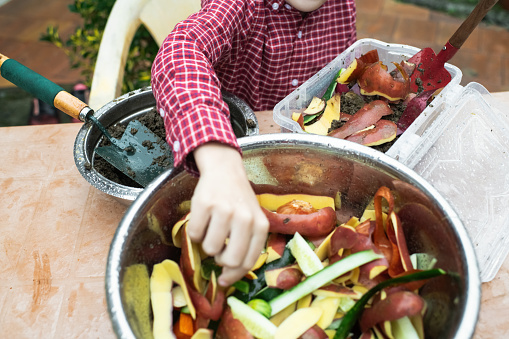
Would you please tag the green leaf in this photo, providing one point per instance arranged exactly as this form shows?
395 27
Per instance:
82 46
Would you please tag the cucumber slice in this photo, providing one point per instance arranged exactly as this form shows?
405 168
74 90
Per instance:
329 93
403 329
260 306
310 244
307 259
332 87
308 119
322 278
335 324
254 322
346 304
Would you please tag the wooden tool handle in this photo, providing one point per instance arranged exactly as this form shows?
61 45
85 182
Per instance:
40 87
471 22
2 59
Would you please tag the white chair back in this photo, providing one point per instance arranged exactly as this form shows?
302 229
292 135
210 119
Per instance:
158 16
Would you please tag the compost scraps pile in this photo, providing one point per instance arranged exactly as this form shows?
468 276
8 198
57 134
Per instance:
366 103
316 278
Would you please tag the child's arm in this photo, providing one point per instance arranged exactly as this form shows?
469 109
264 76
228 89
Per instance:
184 82
225 206
199 130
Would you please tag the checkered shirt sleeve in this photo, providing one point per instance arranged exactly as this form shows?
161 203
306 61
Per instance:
258 50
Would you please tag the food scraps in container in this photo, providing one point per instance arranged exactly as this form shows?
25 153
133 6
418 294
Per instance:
364 103
316 278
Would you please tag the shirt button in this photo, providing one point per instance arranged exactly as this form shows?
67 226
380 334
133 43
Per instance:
275 6
176 146
295 82
299 35
288 6
161 112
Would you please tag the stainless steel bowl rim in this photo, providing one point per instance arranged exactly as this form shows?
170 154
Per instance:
473 287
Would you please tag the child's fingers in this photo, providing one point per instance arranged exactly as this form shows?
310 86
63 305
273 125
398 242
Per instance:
197 224
217 231
201 213
231 275
239 241
247 241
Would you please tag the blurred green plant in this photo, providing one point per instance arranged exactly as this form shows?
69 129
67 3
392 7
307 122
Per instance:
462 8
82 46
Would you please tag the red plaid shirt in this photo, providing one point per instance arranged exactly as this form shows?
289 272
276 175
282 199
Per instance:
258 50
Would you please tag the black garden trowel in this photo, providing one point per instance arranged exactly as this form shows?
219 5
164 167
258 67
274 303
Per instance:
139 153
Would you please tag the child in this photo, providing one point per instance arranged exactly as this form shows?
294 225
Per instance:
259 50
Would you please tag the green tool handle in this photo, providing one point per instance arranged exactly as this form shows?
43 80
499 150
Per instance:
42 88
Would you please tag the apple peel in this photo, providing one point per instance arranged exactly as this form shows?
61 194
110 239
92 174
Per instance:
316 106
395 306
284 277
357 67
383 131
210 305
367 116
375 80
314 224
276 244
191 261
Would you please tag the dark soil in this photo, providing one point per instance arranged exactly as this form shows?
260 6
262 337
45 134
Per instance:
153 121
351 103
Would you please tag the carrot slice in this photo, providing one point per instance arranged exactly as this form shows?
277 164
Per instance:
186 325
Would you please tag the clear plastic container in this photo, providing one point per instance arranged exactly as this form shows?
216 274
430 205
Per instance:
462 148
318 83
459 143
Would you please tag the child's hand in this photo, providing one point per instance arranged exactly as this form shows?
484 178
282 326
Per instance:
225 206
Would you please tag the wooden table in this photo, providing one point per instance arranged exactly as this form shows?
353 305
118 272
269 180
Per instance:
55 231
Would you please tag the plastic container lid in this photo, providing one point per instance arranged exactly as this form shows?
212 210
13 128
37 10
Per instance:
462 148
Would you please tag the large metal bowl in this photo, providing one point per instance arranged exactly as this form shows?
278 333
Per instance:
291 163
131 106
